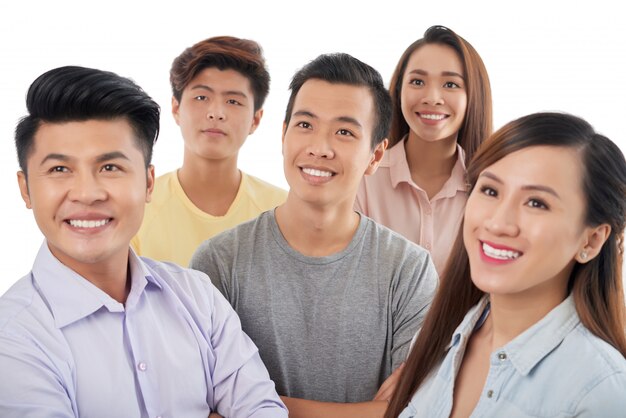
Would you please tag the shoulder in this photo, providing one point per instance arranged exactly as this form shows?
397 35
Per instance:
22 307
264 194
392 244
164 190
231 242
186 283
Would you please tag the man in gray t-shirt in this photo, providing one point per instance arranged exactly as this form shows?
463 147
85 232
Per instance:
331 298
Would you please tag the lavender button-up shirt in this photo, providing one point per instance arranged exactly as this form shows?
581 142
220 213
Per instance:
175 349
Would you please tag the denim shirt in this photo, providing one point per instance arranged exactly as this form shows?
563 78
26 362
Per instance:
556 368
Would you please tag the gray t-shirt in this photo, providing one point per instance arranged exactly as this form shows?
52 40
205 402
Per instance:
328 328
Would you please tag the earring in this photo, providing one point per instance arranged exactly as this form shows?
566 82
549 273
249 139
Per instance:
583 255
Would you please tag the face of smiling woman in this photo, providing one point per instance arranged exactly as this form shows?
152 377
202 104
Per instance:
524 223
87 185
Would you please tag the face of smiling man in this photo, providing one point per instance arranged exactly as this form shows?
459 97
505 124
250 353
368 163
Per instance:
327 144
87 185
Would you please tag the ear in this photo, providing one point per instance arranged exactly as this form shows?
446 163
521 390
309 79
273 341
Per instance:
149 182
175 109
377 157
22 182
595 237
256 119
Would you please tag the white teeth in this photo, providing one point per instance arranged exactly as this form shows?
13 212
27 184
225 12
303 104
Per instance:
317 173
88 224
499 254
431 116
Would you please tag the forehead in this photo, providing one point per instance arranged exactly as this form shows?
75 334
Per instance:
220 80
335 100
557 167
84 139
435 59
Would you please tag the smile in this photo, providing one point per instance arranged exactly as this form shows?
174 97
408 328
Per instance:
432 116
77 223
499 254
317 173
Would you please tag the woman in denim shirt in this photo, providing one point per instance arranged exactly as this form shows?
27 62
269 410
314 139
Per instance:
529 320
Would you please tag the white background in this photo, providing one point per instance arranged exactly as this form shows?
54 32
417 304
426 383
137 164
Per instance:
541 55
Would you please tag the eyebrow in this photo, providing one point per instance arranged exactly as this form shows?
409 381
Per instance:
531 187
346 119
443 73
101 158
225 93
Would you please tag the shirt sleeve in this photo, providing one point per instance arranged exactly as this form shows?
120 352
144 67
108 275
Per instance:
31 385
242 386
606 399
206 260
413 293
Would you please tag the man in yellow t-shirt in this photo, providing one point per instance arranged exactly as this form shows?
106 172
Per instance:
219 86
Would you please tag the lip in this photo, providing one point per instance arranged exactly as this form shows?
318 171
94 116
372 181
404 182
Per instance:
316 180
421 114
90 217
213 132
497 261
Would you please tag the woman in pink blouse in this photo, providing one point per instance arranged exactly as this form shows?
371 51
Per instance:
442 112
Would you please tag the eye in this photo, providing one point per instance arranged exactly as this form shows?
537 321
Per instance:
488 191
416 82
451 85
305 125
537 204
59 169
200 98
344 132
110 168
233 102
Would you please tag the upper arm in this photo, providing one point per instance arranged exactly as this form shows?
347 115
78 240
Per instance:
31 384
242 386
207 260
413 293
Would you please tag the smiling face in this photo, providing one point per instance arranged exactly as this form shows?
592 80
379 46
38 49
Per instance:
216 114
327 144
87 186
524 222
433 96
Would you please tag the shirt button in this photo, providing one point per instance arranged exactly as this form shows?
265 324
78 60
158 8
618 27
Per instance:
490 393
142 366
502 356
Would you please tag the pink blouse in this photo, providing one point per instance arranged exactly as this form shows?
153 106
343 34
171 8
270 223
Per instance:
391 198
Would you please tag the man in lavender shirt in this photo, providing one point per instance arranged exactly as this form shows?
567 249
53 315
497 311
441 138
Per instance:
93 330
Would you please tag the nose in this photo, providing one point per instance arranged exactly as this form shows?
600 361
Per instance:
215 112
432 95
502 221
320 147
87 188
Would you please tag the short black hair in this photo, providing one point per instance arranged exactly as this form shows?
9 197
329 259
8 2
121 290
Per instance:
76 94
340 68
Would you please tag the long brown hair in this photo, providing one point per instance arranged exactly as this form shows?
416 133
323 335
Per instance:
477 124
596 285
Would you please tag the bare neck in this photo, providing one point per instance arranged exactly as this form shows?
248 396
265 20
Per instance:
430 162
211 185
510 316
316 231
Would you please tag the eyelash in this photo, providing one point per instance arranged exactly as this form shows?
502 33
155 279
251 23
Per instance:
533 202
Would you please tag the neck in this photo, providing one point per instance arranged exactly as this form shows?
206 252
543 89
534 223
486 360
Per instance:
211 185
510 315
430 159
316 231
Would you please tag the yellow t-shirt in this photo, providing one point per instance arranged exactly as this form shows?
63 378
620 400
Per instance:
173 227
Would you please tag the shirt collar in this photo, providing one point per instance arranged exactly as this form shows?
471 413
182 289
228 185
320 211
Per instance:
399 171
71 297
531 346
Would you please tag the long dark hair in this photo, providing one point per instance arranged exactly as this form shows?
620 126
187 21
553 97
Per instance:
477 124
596 285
